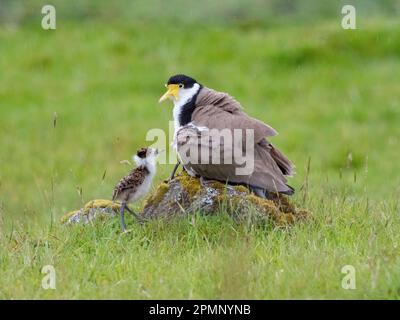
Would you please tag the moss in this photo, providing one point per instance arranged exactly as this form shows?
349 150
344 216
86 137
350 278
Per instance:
101 203
241 189
68 215
219 186
264 203
242 201
158 195
189 184
284 204
271 208
93 204
241 205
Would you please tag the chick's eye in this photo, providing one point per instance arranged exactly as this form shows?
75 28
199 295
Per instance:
180 85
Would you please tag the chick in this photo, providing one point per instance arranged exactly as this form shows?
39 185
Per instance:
137 183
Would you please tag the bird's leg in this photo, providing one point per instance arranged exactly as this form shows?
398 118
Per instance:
138 218
174 170
203 181
122 220
259 192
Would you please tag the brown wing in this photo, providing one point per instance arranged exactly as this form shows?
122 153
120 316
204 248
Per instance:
130 183
265 171
219 110
218 118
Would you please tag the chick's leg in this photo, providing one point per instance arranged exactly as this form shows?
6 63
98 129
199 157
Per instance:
122 219
138 218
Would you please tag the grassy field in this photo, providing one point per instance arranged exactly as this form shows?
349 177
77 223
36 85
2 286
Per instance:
332 94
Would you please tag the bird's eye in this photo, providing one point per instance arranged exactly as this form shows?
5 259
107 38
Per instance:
180 85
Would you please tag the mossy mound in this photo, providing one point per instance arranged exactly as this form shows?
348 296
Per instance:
93 209
185 194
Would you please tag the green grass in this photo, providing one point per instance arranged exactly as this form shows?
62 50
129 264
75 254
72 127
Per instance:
329 92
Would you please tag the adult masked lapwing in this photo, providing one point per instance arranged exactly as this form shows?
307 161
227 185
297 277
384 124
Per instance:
201 109
137 183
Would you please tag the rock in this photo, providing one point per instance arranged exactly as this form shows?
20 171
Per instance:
186 195
100 208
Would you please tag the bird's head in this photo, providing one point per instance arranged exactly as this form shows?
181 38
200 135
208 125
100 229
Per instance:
146 156
179 88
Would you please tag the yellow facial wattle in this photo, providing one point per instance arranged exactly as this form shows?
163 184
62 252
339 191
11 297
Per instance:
172 92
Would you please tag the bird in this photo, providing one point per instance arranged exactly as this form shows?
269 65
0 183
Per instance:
137 183
202 109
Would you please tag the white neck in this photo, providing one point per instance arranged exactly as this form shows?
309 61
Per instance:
184 96
149 163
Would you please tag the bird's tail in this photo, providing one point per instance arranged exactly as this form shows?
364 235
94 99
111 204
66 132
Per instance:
263 193
289 192
284 164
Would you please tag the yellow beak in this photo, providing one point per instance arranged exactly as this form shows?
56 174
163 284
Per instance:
172 92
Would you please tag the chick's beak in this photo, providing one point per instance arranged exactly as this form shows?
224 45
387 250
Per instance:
172 92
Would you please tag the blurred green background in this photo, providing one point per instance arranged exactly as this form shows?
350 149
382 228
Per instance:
332 94
177 12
